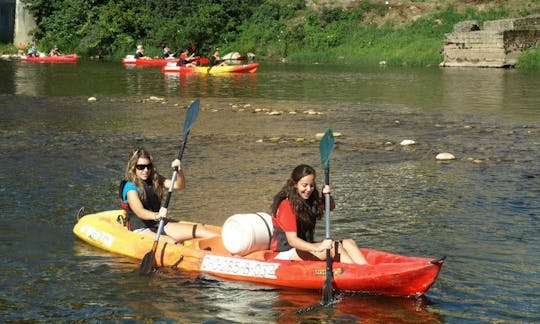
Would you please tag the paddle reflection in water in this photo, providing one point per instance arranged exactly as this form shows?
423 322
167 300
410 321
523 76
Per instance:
299 306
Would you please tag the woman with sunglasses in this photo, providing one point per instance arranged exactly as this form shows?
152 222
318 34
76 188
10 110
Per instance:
142 191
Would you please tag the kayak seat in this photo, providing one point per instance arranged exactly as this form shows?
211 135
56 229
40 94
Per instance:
261 255
213 244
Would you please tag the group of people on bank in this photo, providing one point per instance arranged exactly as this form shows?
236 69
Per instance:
295 211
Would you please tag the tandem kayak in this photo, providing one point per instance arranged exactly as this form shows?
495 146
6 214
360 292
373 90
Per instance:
68 58
385 274
244 68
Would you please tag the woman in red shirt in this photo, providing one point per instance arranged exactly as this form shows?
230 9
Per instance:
295 211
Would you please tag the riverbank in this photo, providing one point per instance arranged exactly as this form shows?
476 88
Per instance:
391 33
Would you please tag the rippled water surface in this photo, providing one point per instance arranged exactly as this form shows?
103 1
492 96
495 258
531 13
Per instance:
481 210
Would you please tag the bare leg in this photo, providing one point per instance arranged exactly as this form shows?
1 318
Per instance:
353 252
151 234
202 232
181 231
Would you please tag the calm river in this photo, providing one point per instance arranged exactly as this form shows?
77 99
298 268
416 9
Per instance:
61 152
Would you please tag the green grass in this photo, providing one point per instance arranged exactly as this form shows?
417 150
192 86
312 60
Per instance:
8 49
529 60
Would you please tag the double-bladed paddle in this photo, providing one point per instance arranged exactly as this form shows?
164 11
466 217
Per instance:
148 262
326 147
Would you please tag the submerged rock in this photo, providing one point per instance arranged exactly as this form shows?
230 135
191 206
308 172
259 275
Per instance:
445 156
407 142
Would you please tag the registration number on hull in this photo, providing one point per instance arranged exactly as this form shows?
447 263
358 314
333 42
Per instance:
239 267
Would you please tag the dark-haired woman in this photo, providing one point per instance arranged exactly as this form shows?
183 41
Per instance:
295 210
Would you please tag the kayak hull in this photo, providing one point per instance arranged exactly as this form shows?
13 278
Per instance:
68 58
386 274
245 68
131 60
147 62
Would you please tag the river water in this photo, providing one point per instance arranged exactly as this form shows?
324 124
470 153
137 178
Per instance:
61 152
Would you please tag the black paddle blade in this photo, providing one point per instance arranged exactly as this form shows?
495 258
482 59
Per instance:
191 115
147 264
326 296
326 146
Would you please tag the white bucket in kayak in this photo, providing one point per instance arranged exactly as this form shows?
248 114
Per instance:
245 233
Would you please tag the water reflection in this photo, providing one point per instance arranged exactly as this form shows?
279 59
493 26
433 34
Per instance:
494 91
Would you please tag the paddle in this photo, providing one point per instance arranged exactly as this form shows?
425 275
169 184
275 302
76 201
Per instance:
326 147
210 68
147 263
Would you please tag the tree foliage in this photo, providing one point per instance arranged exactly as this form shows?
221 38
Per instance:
270 28
99 27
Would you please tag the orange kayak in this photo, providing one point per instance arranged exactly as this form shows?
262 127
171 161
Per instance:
385 274
68 58
244 68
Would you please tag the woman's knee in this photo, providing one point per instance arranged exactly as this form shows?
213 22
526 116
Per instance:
349 244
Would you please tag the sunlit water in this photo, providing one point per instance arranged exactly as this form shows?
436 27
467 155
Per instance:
61 152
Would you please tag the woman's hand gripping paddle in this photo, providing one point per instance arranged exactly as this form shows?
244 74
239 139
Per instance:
327 146
148 262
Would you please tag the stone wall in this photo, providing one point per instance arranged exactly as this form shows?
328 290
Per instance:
24 24
497 43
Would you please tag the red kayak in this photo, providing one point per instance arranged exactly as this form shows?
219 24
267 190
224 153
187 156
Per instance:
130 60
239 251
67 58
244 68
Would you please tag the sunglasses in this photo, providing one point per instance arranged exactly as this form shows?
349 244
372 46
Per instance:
141 167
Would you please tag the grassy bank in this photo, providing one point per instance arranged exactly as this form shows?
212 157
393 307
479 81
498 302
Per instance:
9 49
408 34
398 33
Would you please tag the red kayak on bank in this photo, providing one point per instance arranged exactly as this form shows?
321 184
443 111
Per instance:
67 58
239 252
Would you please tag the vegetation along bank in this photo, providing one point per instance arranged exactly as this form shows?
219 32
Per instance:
409 33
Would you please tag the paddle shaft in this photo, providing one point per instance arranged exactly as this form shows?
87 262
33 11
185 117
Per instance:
168 199
328 282
326 147
148 261
169 193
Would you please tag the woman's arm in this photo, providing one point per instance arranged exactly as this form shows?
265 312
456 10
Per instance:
180 179
326 190
302 245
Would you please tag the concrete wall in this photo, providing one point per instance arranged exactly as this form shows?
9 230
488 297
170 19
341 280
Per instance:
24 24
7 20
15 23
497 44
